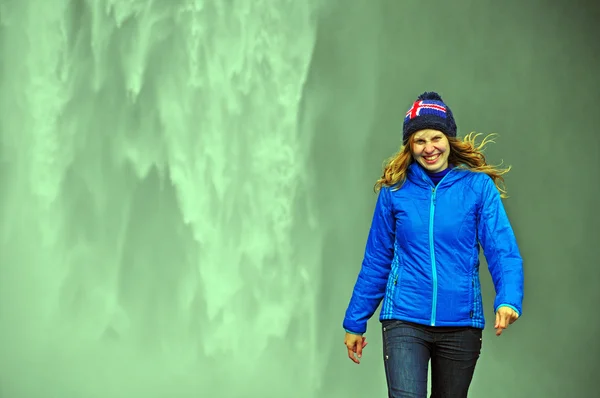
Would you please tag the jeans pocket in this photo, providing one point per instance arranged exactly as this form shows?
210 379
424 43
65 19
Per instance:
475 332
390 324
476 336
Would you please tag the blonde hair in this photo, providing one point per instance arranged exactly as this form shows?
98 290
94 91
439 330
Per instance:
464 153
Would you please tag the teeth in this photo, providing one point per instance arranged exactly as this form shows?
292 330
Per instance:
432 157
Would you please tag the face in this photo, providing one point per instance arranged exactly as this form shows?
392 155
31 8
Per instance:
431 149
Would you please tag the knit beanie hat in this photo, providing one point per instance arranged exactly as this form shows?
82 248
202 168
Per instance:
429 112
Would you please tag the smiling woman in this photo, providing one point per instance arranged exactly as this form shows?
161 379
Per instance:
438 201
429 139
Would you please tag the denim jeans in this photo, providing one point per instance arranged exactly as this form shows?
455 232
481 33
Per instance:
408 348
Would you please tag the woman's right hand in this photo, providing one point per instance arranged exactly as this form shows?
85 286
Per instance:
355 344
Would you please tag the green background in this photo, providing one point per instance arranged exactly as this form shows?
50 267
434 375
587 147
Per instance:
186 188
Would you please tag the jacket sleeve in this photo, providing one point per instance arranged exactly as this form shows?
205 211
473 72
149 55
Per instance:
370 285
500 248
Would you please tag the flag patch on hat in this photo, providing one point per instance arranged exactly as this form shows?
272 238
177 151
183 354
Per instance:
426 107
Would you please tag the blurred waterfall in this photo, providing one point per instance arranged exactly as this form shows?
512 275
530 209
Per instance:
151 171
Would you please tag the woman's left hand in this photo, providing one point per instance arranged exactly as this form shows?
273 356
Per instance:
504 316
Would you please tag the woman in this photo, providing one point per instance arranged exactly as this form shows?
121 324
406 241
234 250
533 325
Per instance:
438 200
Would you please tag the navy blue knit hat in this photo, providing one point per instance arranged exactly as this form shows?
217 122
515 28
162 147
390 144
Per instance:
429 112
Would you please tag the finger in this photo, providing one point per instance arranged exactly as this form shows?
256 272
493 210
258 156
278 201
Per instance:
351 355
359 348
505 320
497 324
501 319
502 325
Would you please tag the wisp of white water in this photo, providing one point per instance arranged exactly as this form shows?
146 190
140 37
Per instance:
151 167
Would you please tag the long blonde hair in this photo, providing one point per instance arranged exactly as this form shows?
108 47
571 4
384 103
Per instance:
463 153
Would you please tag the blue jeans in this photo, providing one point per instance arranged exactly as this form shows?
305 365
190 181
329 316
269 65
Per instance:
408 348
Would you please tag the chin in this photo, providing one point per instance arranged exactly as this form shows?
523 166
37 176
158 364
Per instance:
435 166
431 166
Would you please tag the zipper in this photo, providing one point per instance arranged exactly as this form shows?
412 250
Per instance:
431 247
432 254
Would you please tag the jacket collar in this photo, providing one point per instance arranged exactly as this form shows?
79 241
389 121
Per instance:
419 177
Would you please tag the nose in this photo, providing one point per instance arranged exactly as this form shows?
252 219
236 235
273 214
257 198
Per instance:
429 147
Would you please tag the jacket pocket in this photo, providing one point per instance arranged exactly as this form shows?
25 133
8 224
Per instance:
390 302
397 282
473 295
394 285
473 287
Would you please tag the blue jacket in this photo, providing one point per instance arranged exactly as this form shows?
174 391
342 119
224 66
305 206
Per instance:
422 253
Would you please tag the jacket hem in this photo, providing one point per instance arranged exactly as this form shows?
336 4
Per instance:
473 323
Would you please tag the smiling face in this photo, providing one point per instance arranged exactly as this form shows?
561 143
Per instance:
430 148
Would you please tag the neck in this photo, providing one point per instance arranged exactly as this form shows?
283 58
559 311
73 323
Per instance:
436 176
437 172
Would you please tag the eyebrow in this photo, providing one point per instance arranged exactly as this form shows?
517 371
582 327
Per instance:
438 135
